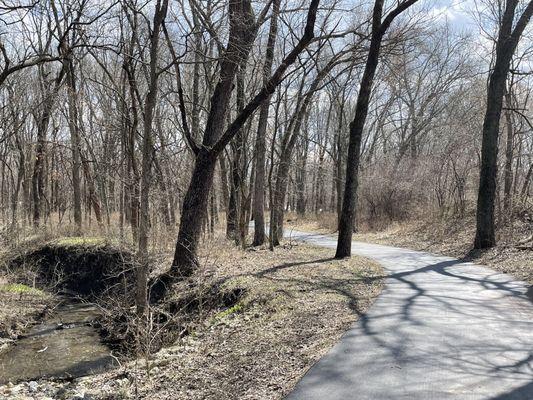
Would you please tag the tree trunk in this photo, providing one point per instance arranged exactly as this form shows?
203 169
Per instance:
147 160
301 179
75 141
347 218
505 47
132 178
193 214
38 185
260 141
508 168
242 33
233 201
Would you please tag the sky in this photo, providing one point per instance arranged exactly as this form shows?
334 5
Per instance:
457 12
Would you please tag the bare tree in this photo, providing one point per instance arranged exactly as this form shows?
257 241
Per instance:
243 29
379 28
508 37
260 141
148 154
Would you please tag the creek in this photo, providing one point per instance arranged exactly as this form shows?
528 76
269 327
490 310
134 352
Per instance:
64 345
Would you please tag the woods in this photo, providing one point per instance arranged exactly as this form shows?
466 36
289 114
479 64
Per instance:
183 184
154 120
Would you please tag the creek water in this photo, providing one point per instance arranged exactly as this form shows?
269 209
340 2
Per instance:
64 345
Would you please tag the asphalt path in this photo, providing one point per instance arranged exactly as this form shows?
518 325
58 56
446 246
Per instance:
441 329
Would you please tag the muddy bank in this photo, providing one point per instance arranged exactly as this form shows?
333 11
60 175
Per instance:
85 267
63 342
20 307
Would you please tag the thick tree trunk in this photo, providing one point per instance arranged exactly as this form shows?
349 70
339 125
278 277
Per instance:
242 33
193 214
505 47
347 216
485 235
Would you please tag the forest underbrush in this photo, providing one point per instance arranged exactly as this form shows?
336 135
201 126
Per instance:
247 324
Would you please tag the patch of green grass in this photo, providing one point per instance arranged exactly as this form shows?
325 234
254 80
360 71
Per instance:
19 288
232 310
79 241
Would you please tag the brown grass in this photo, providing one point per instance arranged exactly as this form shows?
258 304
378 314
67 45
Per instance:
454 237
20 307
449 236
297 304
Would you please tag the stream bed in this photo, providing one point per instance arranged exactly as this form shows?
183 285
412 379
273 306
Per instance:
64 345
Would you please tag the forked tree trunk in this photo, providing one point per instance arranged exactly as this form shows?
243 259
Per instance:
243 30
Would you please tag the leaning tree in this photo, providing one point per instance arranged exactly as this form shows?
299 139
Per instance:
216 136
380 26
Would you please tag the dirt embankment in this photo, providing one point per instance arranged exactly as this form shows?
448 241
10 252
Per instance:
20 307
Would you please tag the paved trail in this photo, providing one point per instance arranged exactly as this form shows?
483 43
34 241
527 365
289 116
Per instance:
441 329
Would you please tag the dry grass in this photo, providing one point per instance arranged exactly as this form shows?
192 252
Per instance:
297 304
20 307
449 236
324 223
454 237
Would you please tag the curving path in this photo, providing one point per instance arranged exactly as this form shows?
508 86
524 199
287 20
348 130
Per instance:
441 329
